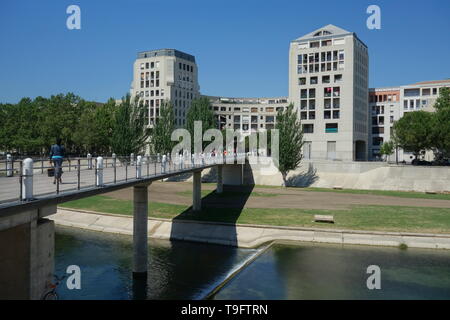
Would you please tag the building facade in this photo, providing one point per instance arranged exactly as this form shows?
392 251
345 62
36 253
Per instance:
328 84
247 114
165 74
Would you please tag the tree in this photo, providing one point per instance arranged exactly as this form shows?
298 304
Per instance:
387 148
130 131
414 131
290 141
200 110
161 134
441 126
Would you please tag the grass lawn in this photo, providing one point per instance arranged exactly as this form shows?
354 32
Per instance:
381 218
401 194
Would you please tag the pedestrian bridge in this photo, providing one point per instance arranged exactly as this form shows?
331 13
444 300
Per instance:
28 196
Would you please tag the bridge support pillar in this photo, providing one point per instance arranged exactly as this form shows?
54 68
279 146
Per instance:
197 191
219 188
140 230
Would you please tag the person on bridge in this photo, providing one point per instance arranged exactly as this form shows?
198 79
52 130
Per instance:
57 152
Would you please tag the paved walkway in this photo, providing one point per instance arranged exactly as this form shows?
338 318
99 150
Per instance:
179 193
42 184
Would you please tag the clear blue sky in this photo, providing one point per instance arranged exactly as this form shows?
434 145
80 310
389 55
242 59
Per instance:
241 46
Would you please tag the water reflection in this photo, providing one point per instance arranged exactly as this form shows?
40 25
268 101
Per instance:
312 271
177 270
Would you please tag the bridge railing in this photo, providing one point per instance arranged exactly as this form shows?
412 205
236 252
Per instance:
21 180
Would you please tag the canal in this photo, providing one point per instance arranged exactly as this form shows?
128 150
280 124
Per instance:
185 270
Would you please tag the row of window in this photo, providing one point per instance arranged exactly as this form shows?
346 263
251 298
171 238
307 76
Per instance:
316 57
185 67
328 103
327 92
329 128
149 65
247 109
327 114
323 67
149 83
151 93
337 78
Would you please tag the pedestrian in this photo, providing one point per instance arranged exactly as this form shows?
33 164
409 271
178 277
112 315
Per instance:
57 153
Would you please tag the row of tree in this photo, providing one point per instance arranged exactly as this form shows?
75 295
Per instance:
420 131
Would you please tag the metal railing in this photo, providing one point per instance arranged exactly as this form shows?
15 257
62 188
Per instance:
91 172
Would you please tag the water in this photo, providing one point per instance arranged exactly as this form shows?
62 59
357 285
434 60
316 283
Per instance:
311 271
185 270
178 270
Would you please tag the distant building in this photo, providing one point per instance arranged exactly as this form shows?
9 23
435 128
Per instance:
165 74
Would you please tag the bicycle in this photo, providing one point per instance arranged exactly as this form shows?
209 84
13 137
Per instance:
52 294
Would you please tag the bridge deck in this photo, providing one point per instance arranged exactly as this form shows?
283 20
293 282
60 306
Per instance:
44 190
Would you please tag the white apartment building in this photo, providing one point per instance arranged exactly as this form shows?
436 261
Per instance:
328 84
247 114
384 110
165 74
387 105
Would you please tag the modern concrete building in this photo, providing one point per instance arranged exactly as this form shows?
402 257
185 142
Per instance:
165 74
384 108
247 114
328 84
388 105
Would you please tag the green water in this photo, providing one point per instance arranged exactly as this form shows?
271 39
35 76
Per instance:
185 270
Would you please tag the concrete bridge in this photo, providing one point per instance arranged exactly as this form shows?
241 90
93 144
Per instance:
27 198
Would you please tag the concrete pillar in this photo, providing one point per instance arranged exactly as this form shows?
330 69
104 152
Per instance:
219 188
9 166
114 159
197 191
140 230
89 161
132 159
27 180
99 179
139 167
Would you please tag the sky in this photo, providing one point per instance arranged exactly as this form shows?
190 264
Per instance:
241 47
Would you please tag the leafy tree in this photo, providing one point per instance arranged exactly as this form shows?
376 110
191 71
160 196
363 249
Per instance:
162 130
387 148
130 131
441 126
414 131
290 141
200 110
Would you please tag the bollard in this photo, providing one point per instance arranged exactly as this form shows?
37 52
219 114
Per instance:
99 181
9 167
89 160
27 179
163 163
114 157
139 167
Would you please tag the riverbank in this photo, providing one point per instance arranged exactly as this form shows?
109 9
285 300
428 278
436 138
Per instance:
244 235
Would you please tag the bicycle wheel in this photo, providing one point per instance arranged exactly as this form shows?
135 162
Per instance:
51 295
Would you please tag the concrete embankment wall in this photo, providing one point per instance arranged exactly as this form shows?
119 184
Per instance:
246 236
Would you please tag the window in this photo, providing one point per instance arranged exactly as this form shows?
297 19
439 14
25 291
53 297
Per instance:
303 115
325 79
308 128
331 128
337 77
315 44
327 114
304 93
313 80
312 93
301 81
312 115
336 114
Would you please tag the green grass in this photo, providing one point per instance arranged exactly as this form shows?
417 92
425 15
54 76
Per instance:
400 194
380 218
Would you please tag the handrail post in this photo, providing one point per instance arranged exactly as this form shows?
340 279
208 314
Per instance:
99 181
163 164
27 173
89 160
78 173
9 166
114 164
139 167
